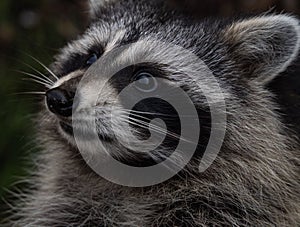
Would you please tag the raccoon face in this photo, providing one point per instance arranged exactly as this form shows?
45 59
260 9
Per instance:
243 56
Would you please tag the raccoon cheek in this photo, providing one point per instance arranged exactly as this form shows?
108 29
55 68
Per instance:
263 46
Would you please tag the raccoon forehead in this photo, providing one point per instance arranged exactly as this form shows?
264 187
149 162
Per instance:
99 39
109 36
92 37
106 35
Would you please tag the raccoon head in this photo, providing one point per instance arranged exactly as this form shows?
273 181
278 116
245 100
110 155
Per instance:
242 55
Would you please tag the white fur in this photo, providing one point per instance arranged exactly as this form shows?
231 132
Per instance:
255 36
96 4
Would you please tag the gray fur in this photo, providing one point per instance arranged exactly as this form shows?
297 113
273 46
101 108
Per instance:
255 179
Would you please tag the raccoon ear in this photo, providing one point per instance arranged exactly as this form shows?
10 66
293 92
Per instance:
96 5
264 46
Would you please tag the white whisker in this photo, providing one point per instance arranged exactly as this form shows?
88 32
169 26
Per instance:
31 93
150 113
155 128
37 71
135 115
45 67
44 79
37 81
155 114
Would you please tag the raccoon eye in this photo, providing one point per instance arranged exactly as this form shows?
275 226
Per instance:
145 82
91 59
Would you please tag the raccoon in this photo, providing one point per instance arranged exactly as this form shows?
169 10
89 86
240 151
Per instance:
254 181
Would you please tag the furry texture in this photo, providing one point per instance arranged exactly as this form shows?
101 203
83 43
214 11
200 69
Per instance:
255 179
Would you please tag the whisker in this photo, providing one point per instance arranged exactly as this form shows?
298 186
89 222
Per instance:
37 81
44 79
149 113
158 114
44 66
174 135
144 126
145 123
155 128
37 71
187 116
135 115
31 93
152 126
160 129
128 111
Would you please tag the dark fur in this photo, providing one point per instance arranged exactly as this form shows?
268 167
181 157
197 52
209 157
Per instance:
253 182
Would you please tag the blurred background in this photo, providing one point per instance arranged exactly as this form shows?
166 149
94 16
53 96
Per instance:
40 28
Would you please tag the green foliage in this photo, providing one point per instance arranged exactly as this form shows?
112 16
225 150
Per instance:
36 28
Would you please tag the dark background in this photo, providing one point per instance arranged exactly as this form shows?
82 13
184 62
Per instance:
39 28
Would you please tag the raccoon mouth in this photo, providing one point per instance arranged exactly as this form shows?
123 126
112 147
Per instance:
67 128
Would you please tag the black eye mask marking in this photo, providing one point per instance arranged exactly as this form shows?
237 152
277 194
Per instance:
91 59
76 61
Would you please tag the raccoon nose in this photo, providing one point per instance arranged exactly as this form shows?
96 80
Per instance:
60 102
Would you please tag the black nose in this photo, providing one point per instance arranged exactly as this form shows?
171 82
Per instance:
60 102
